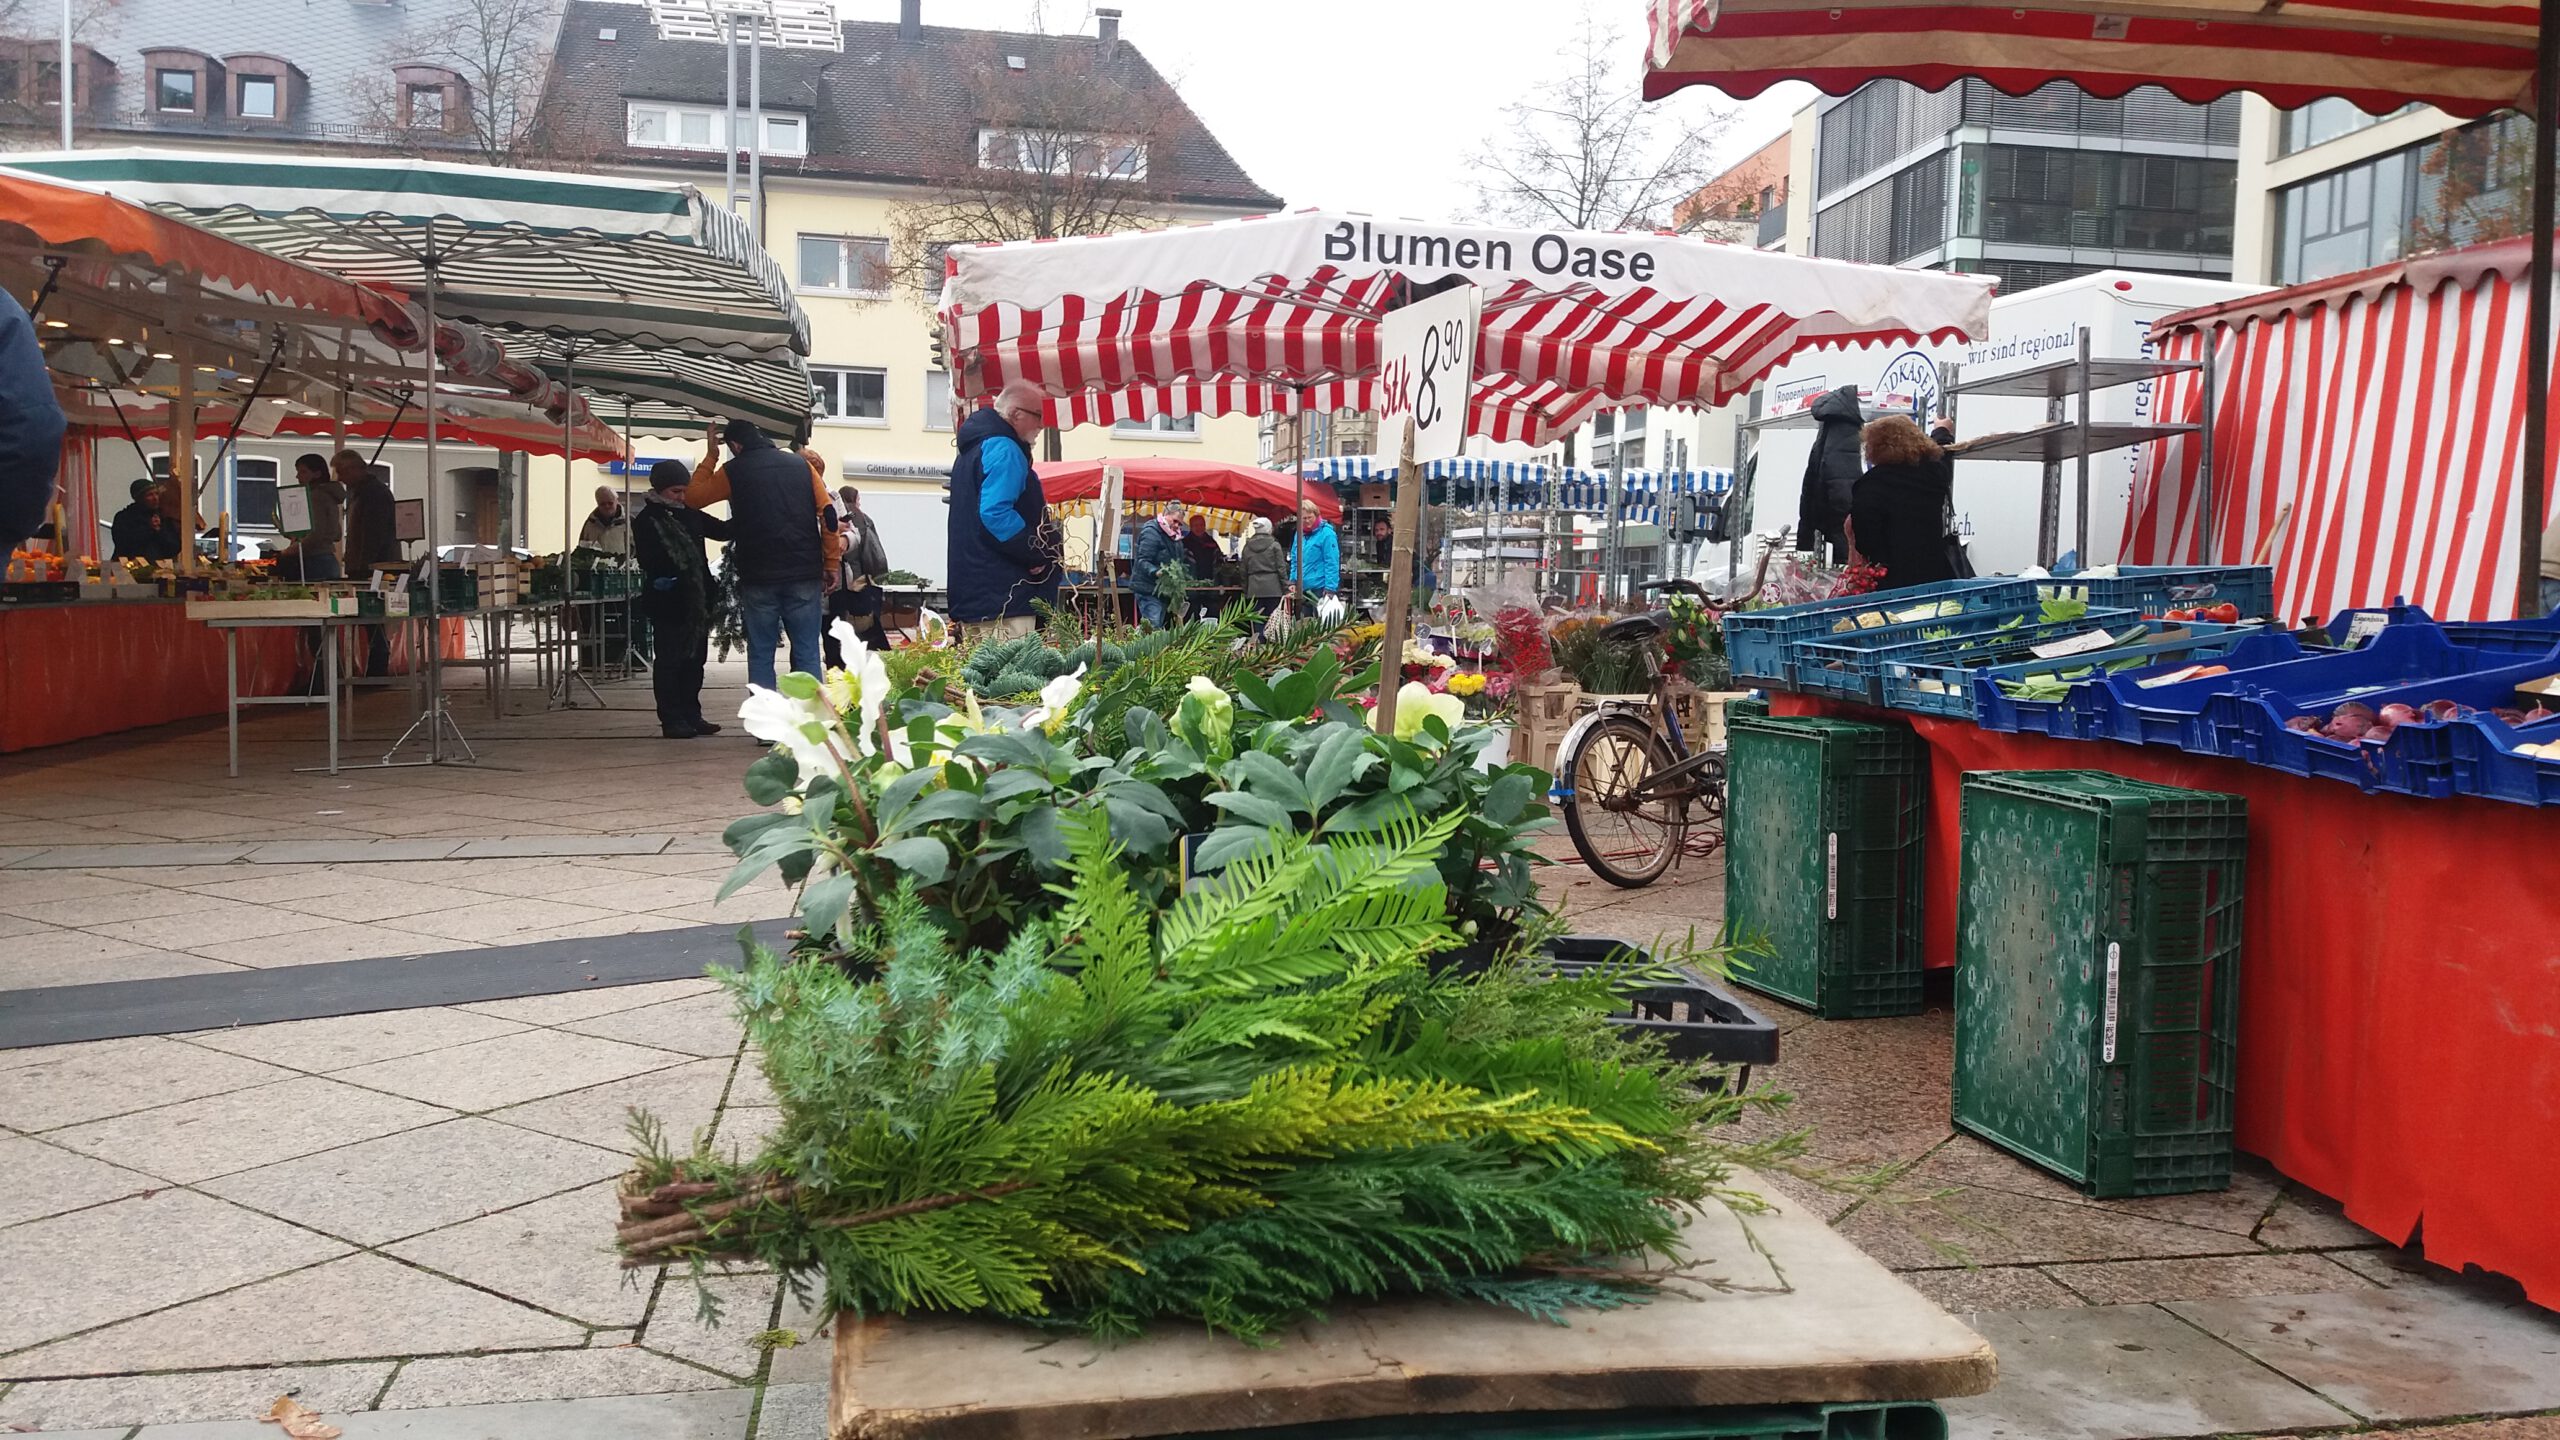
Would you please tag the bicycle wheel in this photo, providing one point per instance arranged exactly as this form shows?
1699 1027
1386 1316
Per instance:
1627 834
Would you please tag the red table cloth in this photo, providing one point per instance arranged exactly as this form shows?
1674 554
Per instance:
2399 988
69 672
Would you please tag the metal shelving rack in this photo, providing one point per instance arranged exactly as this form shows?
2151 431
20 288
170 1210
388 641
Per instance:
2075 436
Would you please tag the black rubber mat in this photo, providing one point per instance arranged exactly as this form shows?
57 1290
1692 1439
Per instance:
62 1014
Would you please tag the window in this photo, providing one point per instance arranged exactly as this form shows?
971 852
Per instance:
1049 152
2322 121
426 107
2345 220
852 397
856 264
1185 426
258 98
11 75
937 399
253 493
2026 195
49 82
653 126
174 91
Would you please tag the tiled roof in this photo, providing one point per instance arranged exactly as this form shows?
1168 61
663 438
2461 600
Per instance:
873 109
346 47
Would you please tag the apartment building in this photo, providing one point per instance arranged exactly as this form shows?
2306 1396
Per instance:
2328 189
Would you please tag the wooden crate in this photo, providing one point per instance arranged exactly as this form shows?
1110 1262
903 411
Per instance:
1546 712
1701 714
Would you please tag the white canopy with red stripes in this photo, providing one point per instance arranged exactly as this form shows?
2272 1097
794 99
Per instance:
1279 313
2367 438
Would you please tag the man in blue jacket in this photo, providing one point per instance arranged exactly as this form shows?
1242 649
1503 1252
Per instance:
1004 547
31 427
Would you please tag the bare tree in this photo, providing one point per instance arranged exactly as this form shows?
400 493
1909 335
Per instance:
2480 186
501 52
1584 152
42 19
1069 139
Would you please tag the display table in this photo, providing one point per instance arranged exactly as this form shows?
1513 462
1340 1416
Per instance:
1837 1327
2399 990
70 672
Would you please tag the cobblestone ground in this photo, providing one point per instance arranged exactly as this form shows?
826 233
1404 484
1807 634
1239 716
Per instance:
400 1217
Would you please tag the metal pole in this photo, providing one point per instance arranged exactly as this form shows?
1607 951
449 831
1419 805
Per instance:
1408 514
66 75
2533 497
729 122
182 464
755 130
2204 454
1297 517
2080 508
435 575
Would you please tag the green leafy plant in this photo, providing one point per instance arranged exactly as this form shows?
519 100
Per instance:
1234 1110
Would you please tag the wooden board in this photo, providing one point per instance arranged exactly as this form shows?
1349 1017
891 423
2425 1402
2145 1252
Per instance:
1824 1323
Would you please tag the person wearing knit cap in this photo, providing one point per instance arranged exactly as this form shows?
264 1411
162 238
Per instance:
666 538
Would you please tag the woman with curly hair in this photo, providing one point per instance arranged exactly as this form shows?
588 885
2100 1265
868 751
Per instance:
1897 513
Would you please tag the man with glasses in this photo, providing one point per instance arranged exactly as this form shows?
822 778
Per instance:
1004 549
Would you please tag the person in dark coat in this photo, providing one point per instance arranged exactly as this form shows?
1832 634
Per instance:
666 538
856 596
31 427
1201 550
1157 544
140 530
1004 546
373 539
1265 567
1831 473
775 520
1898 511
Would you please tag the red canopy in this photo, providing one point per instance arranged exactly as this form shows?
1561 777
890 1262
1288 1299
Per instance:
2468 57
1193 482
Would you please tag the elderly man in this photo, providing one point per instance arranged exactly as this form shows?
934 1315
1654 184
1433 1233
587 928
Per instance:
1004 547
607 528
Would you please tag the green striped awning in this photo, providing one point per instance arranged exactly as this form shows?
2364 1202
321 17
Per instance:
668 392
579 258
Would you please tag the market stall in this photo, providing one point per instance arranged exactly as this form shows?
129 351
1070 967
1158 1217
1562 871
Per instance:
154 327
657 303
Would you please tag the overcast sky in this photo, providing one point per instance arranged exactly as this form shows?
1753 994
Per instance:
1370 105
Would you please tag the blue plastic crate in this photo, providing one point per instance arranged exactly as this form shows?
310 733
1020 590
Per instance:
2536 636
2098 714
1937 678
1851 663
1758 643
2069 718
2420 758
2486 762
2203 718
2156 589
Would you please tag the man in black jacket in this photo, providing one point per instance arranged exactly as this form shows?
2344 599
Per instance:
140 530
775 519
31 427
666 538
1004 547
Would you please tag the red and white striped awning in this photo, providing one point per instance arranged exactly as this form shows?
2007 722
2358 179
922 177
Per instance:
2367 437
2468 57
1279 313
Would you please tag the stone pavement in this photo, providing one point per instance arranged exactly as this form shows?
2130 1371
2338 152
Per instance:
403 1218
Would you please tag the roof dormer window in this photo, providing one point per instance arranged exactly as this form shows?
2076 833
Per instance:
174 91
265 90
431 98
183 82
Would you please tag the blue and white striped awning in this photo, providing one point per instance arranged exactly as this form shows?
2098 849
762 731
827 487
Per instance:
1522 485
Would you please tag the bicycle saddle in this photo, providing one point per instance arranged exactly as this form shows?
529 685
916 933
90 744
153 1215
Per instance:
1636 627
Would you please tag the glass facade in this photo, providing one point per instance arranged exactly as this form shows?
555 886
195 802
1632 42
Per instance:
2031 195
2461 188
2322 121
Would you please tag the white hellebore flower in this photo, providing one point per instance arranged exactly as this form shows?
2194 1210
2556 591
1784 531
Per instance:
798 726
1056 698
1414 701
861 688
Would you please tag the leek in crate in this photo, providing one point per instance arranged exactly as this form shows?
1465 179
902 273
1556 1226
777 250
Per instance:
2097 977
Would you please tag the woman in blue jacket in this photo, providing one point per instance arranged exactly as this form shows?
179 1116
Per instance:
1315 561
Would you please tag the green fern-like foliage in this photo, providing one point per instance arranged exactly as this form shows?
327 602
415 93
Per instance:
1239 1111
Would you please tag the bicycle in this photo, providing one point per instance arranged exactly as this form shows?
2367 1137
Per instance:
1635 796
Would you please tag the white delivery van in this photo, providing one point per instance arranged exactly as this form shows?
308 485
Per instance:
1996 501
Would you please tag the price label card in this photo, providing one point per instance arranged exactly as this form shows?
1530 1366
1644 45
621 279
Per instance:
2077 644
1427 372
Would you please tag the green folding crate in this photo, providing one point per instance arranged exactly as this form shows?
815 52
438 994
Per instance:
1903 1420
1822 860
2098 978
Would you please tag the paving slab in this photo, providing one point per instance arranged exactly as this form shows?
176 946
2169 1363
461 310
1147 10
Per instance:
1998 1227
2410 1353
684 1098
578 1003
555 1254
244 1129
704 1025
67 1084
362 1307
76 957
746 1308
2307 1220
342 1042
2120 1372
1999 1287
704 1415
23 887
419 1180
85 911
129 1400
527 847
507 921
350 852
510 1069
108 1262
136 857
47 1180
2127 1282
792 1412
209 922
544 1375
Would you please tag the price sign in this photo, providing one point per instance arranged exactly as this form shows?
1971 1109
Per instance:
1427 372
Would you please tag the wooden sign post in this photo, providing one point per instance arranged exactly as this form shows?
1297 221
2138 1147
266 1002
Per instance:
1408 518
